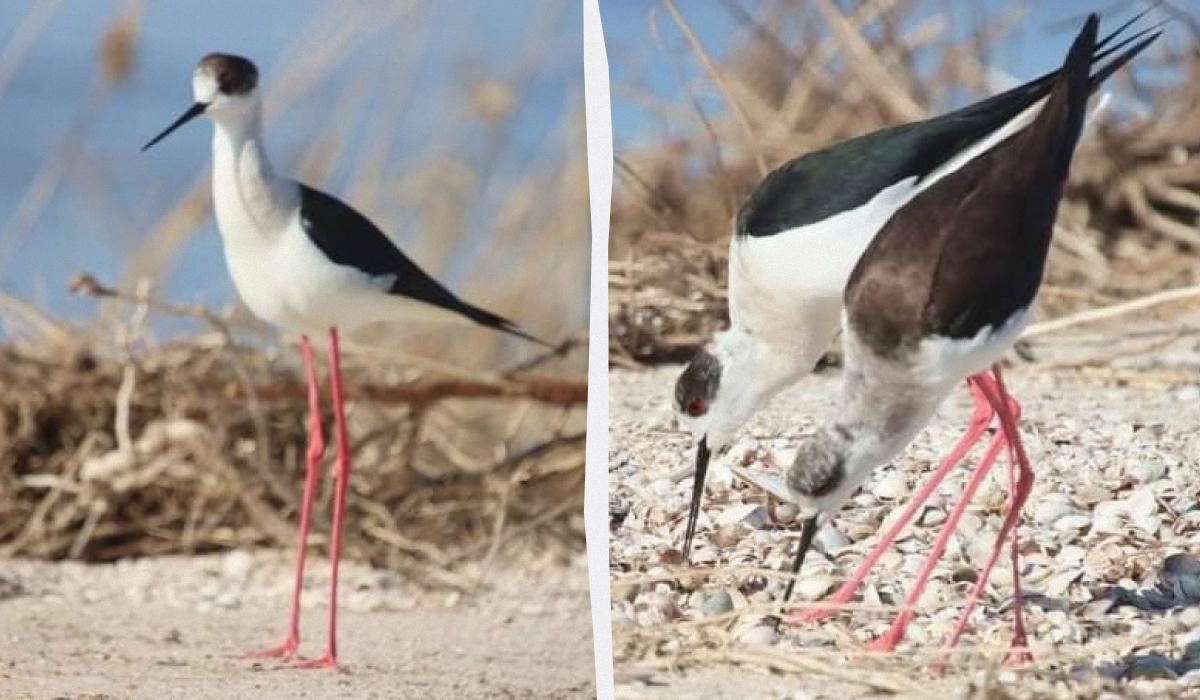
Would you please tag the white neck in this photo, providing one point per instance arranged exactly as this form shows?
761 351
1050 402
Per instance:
247 196
753 372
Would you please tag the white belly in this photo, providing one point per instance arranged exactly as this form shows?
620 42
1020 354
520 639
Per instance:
286 281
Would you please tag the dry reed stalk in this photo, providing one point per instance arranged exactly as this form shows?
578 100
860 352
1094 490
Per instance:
715 75
23 38
115 56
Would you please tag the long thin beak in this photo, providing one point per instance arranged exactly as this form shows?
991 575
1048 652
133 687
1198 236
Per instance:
702 456
192 112
807 533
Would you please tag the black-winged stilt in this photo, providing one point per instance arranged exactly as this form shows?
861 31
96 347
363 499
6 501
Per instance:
306 262
799 235
940 294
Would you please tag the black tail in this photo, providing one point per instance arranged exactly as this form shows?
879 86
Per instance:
1140 41
1034 90
1055 131
490 320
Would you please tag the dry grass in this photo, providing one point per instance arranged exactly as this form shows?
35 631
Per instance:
804 75
114 443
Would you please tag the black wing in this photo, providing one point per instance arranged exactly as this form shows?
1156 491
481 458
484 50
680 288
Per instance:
348 238
969 251
847 175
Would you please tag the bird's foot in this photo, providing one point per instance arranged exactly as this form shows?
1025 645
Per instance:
887 643
284 651
1019 654
816 614
326 661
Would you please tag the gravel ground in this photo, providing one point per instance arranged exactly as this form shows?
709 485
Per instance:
1115 494
172 627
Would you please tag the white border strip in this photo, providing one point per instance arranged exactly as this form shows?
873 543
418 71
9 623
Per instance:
595 507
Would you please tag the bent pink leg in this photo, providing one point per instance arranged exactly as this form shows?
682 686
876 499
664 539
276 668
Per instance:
1019 638
316 449
1005 409
341 475
1019 652
895 633
981 416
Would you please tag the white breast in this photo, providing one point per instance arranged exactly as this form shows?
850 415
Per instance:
788 286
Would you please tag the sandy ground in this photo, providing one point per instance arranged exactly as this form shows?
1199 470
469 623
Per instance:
1096 449
172 627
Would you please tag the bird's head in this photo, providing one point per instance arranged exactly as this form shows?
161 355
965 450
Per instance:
225 89
696 391
722 386
727 381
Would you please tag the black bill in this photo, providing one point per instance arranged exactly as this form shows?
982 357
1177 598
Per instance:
807 533
702 456
192 112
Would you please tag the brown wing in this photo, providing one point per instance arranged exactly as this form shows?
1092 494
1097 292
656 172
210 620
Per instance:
969 251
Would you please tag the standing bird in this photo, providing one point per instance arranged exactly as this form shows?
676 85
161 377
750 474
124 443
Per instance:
941 293
798 237
307 262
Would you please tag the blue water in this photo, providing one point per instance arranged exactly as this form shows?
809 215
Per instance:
106 204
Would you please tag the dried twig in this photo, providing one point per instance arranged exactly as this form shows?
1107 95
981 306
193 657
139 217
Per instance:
1107 312
715 74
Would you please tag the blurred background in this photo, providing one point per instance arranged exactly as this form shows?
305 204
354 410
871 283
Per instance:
145 412
707 97
457 127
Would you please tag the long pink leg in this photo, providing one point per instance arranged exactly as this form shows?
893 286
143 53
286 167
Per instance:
996 386
1004 406
981 416
892 637
341 475
1019 652
316 449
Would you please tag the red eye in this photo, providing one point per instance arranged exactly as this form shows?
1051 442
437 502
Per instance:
697 408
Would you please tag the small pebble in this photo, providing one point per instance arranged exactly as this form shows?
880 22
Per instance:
717 603
831 539
893 486
237 564
760 635
1051 508
813 587
786 513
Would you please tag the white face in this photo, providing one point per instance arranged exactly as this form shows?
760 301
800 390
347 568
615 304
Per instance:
221 106
204 86
708 409
751 373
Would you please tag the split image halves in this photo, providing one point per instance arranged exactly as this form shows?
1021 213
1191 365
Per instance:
903 373
293 340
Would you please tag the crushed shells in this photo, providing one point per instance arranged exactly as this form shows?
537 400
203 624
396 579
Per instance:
1117 490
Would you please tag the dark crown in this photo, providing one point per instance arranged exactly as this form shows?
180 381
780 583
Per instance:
235 75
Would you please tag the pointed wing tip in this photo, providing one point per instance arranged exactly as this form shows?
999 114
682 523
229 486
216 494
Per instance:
515 330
